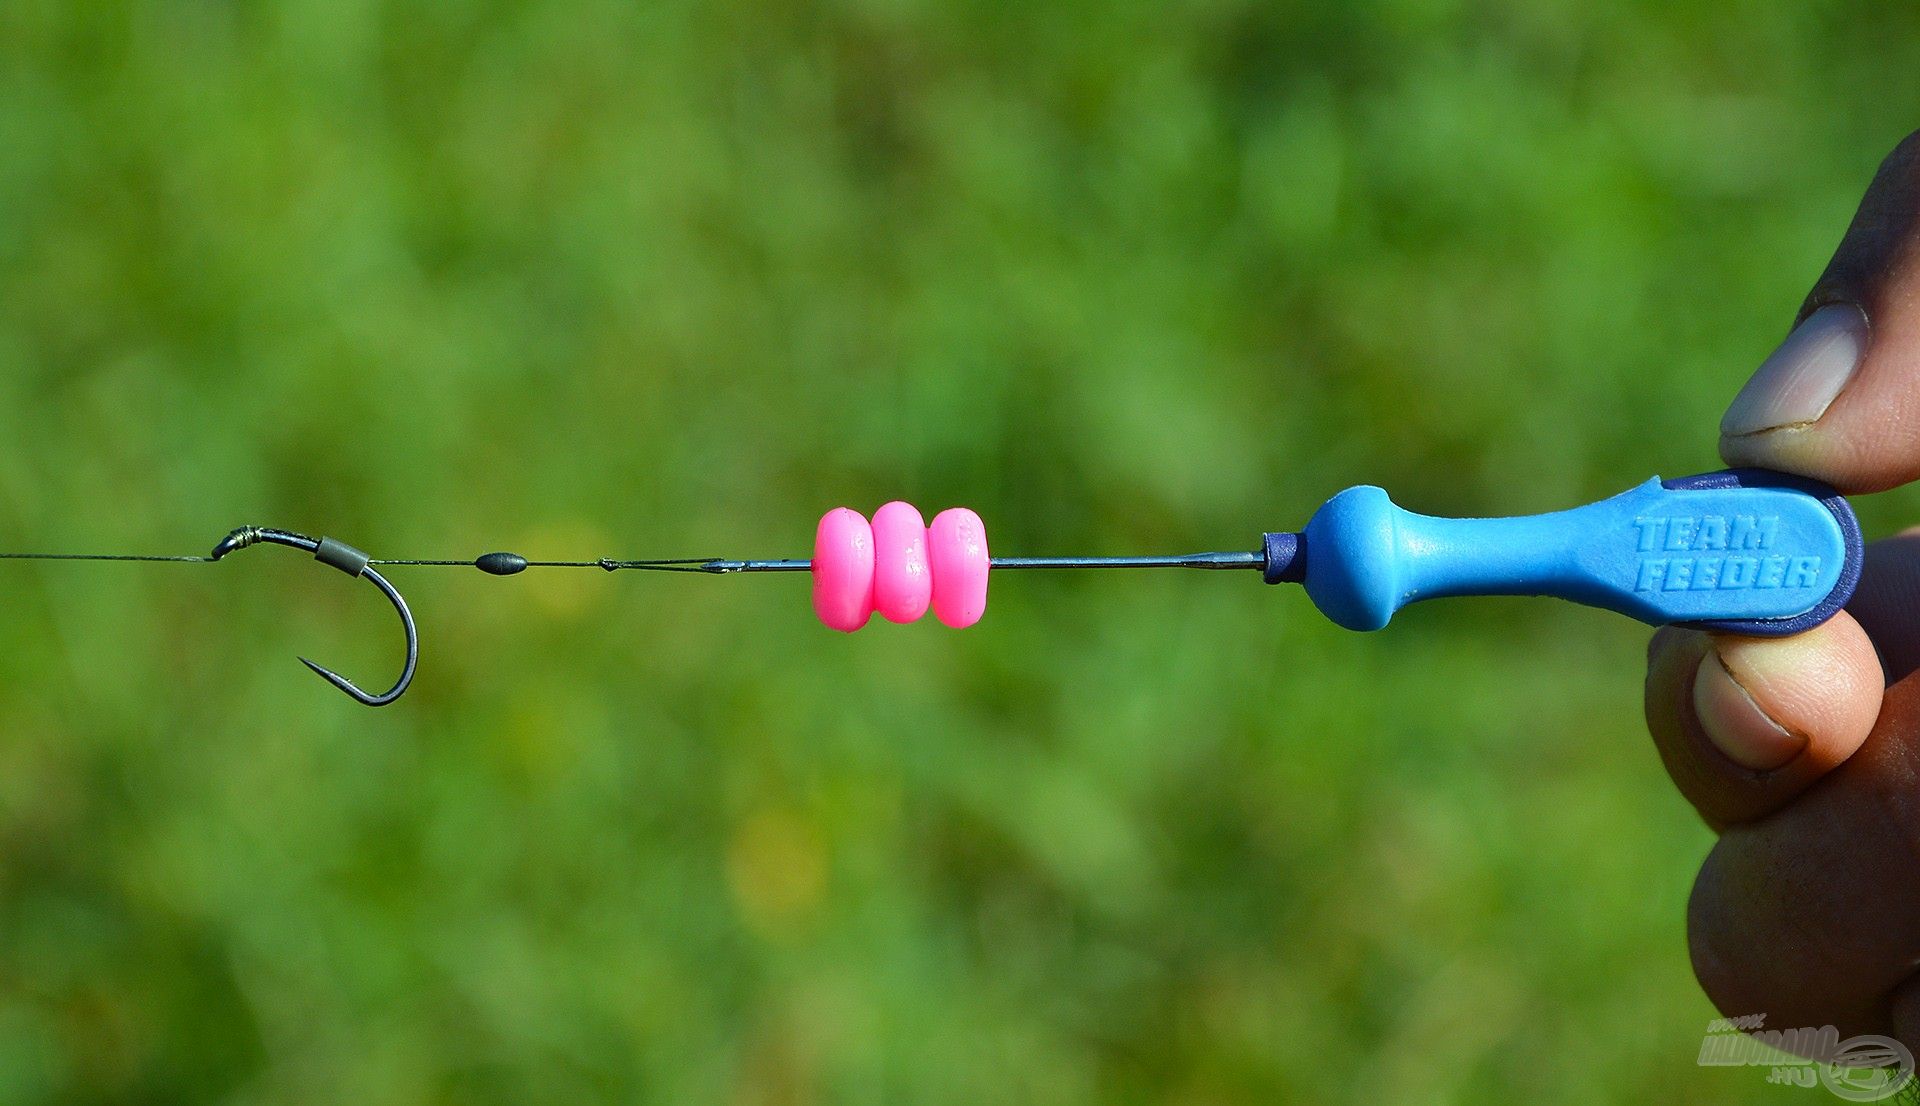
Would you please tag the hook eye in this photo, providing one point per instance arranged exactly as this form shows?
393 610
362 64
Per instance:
354 563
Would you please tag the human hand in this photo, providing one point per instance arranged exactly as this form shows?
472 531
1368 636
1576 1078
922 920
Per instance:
1804 752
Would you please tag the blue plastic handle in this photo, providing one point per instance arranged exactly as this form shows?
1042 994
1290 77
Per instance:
1741 551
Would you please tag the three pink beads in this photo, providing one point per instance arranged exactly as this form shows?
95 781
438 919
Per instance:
899 566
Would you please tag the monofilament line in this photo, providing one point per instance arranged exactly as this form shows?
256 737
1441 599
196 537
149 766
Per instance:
102 557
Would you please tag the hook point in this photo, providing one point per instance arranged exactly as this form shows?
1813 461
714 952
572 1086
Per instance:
353 690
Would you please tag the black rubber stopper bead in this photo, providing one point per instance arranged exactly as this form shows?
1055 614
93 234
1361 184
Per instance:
501 564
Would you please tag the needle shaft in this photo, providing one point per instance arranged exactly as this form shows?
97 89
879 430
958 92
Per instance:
1184 560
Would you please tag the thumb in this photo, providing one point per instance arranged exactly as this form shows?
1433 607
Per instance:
1839 401
1744 725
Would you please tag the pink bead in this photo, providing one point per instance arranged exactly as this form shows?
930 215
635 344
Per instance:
843 570
957 553
902 583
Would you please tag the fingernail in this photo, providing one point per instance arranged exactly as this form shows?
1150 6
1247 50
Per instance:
1804 376
1735 723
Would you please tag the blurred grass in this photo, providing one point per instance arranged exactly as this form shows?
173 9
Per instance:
596 278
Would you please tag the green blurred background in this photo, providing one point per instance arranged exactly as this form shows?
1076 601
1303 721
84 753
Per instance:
585 279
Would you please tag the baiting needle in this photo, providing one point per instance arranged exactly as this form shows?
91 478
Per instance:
1742 551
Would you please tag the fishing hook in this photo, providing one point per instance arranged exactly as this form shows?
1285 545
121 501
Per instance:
354 563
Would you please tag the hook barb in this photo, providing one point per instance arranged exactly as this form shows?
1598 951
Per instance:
354 563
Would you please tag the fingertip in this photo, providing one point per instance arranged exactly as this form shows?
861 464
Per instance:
1818 691
1796 385
1794 449
1745 724
1856 452
1736 724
